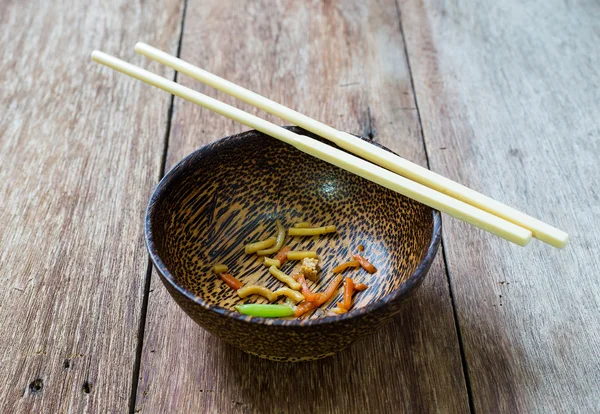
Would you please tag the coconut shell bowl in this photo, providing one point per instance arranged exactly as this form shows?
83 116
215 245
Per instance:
231 192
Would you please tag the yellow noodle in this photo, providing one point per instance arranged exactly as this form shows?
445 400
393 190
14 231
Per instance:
315 231
220 268
271 296
285 278
278 243
254 247
272 262
302 225
256 290
297 255
294 295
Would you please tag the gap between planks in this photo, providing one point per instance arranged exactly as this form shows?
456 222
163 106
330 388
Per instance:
161 174
463 358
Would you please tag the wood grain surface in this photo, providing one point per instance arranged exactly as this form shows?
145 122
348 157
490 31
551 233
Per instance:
509 97
79 157
344 64
506 99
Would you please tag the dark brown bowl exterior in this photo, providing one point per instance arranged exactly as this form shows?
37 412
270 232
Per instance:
219 198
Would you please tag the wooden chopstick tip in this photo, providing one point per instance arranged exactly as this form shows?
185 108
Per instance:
524 239
98 56
140 46
560 240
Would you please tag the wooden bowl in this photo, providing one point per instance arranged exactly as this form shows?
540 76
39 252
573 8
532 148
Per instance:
230 192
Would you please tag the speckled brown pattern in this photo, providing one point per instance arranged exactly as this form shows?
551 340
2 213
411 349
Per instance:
230 193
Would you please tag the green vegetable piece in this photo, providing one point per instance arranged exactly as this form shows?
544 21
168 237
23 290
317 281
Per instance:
264 310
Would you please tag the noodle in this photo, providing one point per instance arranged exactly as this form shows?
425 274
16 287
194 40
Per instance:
294 295
300 255
254 247
220 268
272 262
278 242
314 231
269 294
256 290
288 280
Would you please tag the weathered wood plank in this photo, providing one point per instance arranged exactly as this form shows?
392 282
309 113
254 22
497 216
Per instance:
80 150
344 64
509 98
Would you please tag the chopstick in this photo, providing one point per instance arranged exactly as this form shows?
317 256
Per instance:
379 156
327 153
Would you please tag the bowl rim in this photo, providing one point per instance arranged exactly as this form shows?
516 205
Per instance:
166 275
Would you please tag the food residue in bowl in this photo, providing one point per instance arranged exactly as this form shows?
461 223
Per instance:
299 298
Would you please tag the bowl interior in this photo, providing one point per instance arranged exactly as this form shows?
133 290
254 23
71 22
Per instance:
230 193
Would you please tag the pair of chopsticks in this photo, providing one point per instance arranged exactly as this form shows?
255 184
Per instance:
385 168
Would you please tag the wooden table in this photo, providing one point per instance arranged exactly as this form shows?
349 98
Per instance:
501 96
